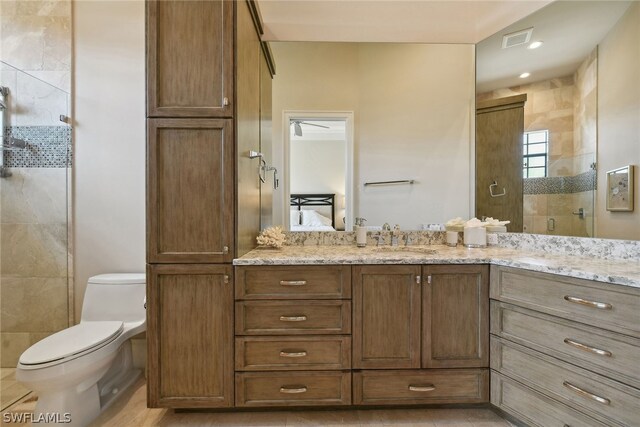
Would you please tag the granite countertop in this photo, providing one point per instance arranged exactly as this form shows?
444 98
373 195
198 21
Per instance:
620 272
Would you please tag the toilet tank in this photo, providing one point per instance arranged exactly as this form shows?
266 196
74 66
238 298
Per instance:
118 296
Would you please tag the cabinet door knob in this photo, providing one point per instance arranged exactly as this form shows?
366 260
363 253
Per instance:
293 318
226 279
225 249
426 387
225 101
293 389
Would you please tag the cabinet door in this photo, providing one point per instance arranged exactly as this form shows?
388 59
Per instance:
455 316
190 58
386 317
190 336
247 129
190 190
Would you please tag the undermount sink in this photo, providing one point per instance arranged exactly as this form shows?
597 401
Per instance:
405 249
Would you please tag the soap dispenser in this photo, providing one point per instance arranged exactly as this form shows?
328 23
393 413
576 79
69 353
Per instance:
361 233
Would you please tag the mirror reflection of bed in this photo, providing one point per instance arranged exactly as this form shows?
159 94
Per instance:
312 212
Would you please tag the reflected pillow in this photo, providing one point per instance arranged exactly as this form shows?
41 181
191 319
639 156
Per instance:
294 217
312 218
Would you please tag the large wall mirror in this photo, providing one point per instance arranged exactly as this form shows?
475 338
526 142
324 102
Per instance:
381 131
387 130
567 78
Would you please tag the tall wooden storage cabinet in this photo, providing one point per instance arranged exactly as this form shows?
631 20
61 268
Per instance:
203 190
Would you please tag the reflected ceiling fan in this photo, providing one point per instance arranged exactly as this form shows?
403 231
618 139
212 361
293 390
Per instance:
297 126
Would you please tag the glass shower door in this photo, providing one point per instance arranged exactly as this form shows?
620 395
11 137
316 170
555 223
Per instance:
35 278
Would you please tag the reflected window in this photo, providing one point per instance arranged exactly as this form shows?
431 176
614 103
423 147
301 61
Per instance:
536 148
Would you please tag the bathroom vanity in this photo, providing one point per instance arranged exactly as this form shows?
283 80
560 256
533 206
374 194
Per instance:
341 326
362 335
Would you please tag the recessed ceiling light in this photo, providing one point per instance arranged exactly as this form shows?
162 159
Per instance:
535 45
524 75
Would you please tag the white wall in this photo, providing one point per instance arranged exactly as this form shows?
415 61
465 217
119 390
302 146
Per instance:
619 120
109 139
310 77
413 109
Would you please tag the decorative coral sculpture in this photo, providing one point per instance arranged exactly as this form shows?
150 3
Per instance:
271 237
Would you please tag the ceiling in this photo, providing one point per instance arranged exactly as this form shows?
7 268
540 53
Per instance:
417 21
570 31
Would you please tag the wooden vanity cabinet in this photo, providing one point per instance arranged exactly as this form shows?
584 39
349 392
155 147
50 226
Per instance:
455 316
204 97
409 316
568 346
190 191
190 58
293 335
386 316
189 336
408 320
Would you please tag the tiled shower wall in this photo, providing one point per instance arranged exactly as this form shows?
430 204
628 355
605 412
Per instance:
36 281
566 106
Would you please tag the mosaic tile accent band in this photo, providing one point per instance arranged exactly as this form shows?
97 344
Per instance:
561 185
47 147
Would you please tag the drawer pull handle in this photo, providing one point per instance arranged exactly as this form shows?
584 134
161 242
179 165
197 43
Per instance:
293 353
293 282
585 393
594 304
587 348
429 387
293 389
293 318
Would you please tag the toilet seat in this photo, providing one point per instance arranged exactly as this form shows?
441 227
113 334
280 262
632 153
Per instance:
71 343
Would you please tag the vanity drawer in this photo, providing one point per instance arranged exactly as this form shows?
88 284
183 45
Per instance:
293 353
534 408
409 387
293 317
600 397
293 389
293 282
608 353
606 306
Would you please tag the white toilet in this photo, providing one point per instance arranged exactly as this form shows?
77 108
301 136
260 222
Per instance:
78 372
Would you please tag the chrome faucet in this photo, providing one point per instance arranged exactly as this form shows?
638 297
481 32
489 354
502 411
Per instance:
378 238
394 235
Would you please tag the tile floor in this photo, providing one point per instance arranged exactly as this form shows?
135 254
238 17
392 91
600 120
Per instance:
131 411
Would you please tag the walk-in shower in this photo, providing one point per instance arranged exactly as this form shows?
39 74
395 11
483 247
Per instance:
35 168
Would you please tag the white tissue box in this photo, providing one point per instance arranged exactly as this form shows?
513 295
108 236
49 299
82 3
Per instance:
475 237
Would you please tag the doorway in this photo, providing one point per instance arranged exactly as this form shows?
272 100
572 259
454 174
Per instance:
318 149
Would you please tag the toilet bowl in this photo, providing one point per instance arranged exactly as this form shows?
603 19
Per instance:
78 372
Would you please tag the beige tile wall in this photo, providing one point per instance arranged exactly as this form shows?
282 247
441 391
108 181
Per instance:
33 259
